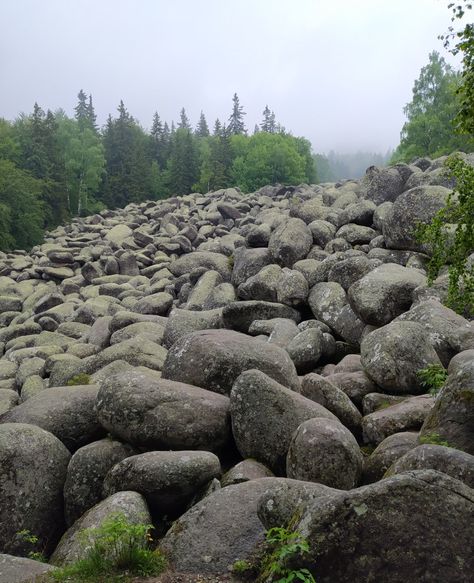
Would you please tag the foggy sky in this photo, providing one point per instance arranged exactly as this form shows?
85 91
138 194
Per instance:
338 72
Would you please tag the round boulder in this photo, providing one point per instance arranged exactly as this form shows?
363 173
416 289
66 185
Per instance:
324 451
33 465
393 355
167 479
154 413
213 359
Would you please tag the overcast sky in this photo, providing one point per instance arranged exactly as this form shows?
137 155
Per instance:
338 72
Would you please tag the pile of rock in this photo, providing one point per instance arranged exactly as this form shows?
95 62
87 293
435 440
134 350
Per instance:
224 363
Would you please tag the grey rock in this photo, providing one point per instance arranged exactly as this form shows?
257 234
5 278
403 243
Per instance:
424 511
454 463
86 472
150 412
182 322
386 453
264 417
384 293
290 242
21 570
408 415
393 355
66 412
322 391
324 451
213 359
244 471
31 457
229 519
417 205
71 547
452 417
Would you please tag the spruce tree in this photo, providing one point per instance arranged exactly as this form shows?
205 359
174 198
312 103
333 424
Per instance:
183 120
82 110
236 119
202 130
217 128
91 116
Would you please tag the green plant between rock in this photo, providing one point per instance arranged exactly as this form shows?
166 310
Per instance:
433 378
433 439
28 537
79 379
451 237
282 547
118 550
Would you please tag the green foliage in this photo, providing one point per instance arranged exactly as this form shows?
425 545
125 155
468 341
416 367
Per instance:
282 547
433 377
242 567
430 129
79 379
21 208
30 538
463 44
116 550
433 439
451 237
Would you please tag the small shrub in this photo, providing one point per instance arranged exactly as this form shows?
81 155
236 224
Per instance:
244 569
433 439
433 378
28 537
451 237
79 379
282 547
116 550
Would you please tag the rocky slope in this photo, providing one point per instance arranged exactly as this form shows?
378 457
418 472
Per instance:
223 363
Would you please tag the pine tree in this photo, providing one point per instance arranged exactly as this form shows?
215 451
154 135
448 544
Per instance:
256 129
182 169
236 119
156 134
202 130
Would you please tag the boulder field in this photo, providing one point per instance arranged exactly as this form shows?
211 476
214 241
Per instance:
224 363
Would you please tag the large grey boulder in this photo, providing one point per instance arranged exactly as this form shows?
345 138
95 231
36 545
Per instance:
71 547
167 479
182 322
244 471
384 293
452 417
290 242
382 184
211 261
284 500
405 528
448 332
66 412
86 472
322 391
329 304
455 463
265 415
33 465
408 415
232 529
386 453
393 355
213 359
22 570
155 413
248 262
324 451
417 205
240 315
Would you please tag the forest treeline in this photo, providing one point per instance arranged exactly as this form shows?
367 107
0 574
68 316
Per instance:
54 167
